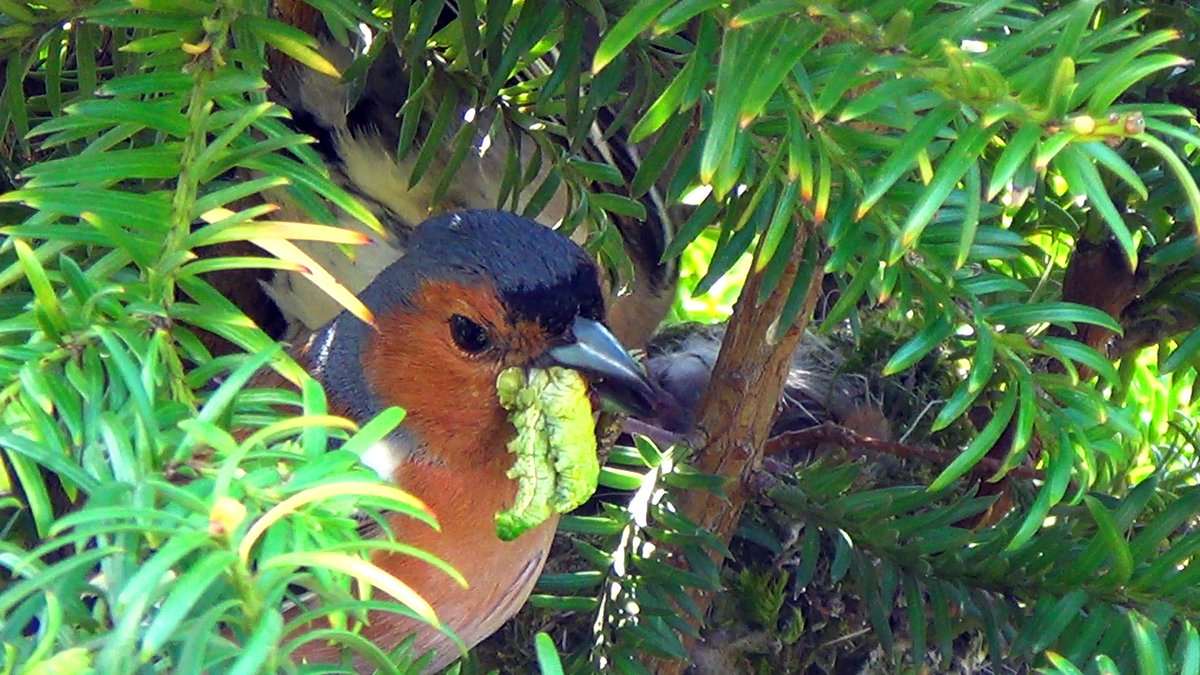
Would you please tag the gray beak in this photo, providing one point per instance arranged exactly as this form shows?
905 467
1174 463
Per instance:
617 377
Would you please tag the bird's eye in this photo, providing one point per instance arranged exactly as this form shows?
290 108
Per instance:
468 335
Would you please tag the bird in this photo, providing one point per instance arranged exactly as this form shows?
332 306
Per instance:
477 292
356 126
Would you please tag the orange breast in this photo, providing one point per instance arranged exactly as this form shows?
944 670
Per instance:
501 574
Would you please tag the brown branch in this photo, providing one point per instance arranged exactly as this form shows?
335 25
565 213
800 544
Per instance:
739 405
659 435
858 444
1151 329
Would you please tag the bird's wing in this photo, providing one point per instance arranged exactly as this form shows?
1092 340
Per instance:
357 128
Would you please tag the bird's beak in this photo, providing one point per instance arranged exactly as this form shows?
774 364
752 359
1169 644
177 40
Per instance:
617 377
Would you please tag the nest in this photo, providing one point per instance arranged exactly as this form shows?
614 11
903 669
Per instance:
764 622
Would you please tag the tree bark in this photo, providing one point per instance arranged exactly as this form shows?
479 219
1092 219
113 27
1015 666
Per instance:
737 409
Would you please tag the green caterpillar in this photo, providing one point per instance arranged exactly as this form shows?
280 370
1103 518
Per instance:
556 464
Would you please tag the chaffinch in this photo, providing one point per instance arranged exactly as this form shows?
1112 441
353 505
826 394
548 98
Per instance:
477 292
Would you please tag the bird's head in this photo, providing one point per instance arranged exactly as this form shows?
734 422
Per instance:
477 292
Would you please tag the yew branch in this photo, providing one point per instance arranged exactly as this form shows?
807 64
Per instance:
736 412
